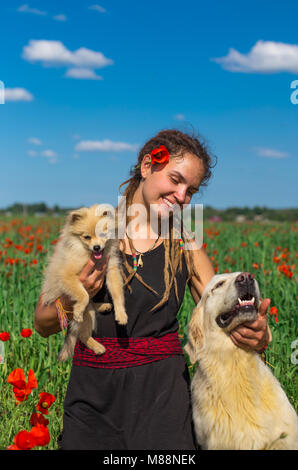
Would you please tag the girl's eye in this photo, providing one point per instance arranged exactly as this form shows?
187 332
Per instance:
191 192
87 237
174 181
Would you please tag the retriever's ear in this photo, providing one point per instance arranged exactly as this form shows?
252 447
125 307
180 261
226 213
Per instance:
195 333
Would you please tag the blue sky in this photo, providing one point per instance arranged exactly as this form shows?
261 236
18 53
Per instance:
86 84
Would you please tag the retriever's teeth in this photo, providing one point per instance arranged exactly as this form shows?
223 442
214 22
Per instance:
246 302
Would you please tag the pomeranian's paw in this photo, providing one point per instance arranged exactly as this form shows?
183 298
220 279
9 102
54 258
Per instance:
63 355
121 317
78 318
99 349
104 307
78 315
96 347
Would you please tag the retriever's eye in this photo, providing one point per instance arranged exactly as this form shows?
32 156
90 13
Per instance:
87 237
219 284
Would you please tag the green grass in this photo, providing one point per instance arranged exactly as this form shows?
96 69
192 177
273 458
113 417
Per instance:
21 284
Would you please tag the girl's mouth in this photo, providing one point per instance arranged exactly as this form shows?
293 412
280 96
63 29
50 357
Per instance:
168 204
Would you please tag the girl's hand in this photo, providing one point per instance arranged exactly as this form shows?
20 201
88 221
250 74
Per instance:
253 335
93 274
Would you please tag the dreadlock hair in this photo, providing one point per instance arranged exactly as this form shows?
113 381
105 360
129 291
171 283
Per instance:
177 144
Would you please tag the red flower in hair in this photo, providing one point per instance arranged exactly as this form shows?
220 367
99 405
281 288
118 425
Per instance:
159 155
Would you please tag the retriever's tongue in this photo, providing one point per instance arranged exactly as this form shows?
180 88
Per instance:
97 255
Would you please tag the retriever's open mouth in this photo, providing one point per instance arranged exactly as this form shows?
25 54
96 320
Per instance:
248 304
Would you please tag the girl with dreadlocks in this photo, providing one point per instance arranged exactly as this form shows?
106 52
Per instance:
137 394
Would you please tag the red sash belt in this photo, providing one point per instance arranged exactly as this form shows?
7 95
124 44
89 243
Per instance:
128 352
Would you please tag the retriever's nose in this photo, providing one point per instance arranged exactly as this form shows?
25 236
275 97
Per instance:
244 279
96 248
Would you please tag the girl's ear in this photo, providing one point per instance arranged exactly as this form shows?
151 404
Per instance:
146 165
195 334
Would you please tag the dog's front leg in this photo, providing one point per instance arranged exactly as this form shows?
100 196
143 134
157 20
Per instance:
114 283
86 329
74 289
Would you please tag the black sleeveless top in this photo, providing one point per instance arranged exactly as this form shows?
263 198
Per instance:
141 321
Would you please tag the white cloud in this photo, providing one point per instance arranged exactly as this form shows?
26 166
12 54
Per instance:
103 146
35 141
82 73
27 9
50 154
179 117
264 57
60 17
53 53
270 153
98 8
17 94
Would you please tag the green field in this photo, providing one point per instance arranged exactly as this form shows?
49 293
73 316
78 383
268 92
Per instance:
267 250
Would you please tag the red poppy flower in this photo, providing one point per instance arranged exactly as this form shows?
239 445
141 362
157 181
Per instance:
38 419
41 435
26 332
4 336
159 155
24 440
46 400
273 311
22 389
13 447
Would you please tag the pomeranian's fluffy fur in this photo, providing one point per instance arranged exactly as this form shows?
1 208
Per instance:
86 232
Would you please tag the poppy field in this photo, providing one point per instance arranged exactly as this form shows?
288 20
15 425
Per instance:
33 384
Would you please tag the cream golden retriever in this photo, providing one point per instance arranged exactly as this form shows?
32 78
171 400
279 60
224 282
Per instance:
237 402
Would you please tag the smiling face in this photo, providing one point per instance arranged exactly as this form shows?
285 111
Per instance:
169 185
231 299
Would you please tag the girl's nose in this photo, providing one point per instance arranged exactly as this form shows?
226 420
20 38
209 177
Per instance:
180 195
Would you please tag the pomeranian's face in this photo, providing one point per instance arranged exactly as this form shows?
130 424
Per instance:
82 225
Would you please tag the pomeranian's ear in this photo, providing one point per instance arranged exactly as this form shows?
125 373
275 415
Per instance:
75 215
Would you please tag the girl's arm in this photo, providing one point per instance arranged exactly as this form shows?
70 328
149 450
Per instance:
46 321
204 268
